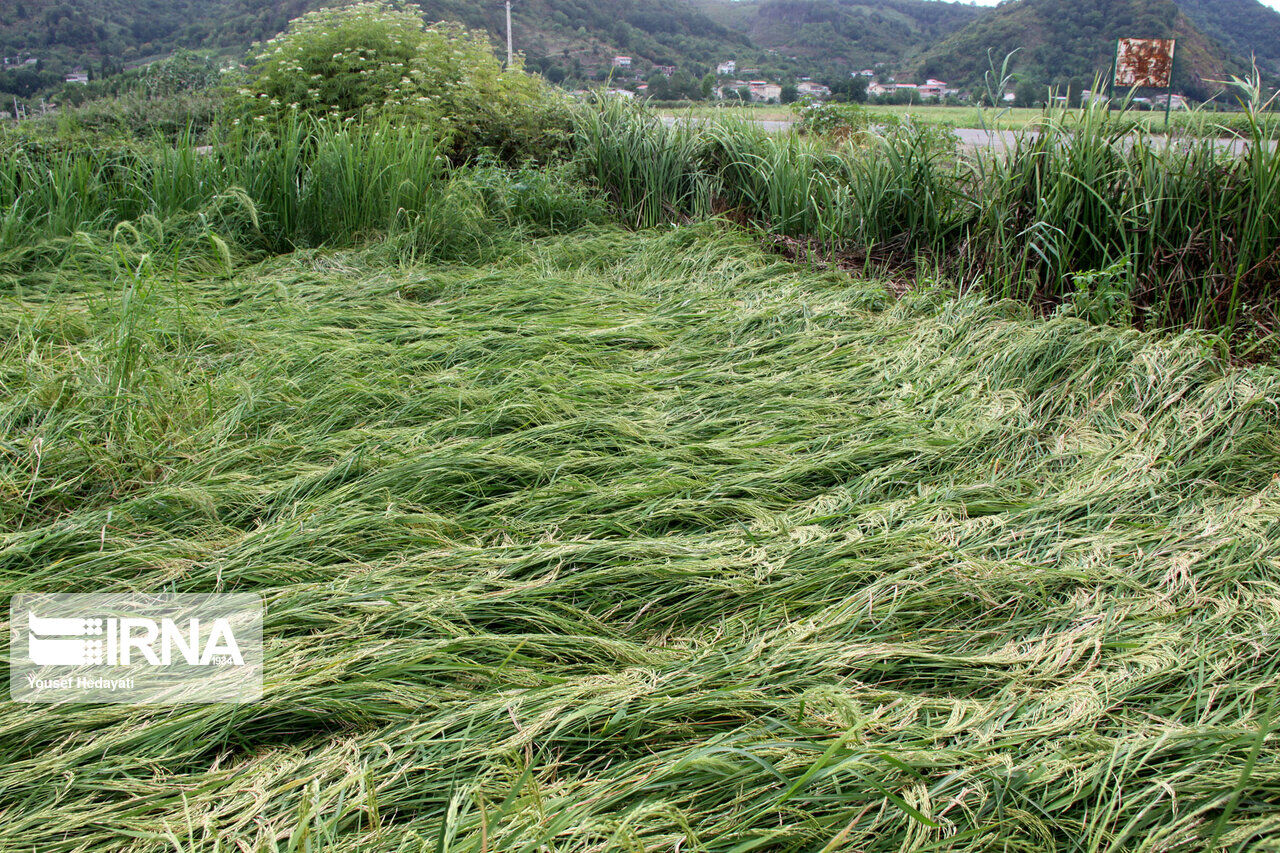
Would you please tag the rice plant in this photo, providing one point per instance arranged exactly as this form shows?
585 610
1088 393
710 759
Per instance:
623 541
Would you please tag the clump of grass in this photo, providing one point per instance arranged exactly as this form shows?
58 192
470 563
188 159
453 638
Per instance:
645 541
1195 225
304 184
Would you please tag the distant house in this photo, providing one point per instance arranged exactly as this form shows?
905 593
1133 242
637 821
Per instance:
726 68
763 90
622 62
31 61
620 93
809 89
665 70
877 89
935 89
866 72
80 77
1174 102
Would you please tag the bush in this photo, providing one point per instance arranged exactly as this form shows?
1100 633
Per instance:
373 59
831 119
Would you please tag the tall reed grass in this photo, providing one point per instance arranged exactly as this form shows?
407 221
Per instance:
307 183
1087 212
1186 231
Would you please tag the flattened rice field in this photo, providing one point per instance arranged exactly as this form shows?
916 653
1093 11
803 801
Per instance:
646 542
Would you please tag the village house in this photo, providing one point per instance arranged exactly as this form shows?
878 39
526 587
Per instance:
665 70
726 68
763 90
622 62
809 89
80 77
935 89
1175 102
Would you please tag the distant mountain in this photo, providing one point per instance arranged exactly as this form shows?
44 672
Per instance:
1062 41
851 34
1247 27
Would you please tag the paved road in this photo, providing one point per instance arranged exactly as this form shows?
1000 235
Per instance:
970 137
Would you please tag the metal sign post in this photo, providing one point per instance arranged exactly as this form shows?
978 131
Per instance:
1146 63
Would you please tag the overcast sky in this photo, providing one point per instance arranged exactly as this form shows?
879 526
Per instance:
1274 4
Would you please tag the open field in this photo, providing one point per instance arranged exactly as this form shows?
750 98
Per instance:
614 541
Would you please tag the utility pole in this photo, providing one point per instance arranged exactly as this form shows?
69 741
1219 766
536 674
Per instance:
509 51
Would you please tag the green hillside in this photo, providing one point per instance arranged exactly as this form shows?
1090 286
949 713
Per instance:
1246 27
572 36
1060 41
849 33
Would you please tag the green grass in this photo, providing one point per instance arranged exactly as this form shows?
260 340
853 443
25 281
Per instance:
1128 227
616 541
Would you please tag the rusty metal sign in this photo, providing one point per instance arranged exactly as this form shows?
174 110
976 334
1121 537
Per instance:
1145 62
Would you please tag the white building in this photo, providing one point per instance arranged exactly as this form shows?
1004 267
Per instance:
726 68
622 62
81 77
936 89
813 90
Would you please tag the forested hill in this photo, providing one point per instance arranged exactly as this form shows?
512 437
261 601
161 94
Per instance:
1248 28
561 36
1061 41
854 34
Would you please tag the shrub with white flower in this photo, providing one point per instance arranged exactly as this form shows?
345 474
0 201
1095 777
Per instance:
377 59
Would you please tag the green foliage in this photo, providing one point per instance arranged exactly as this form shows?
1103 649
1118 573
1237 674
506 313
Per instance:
306 183
129 117
1078 193
1101 296
833 119
372 59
